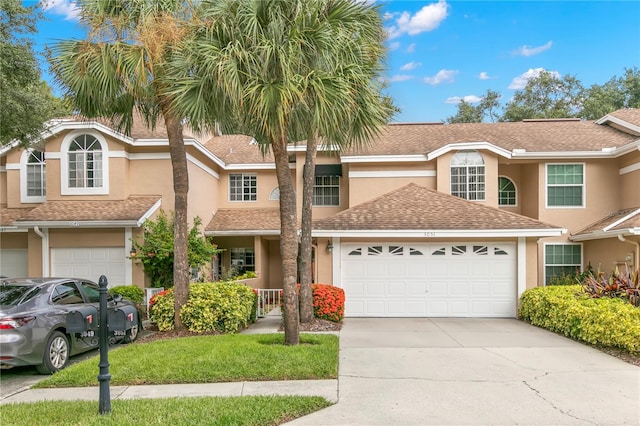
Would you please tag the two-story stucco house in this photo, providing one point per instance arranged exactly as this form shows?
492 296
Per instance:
429 220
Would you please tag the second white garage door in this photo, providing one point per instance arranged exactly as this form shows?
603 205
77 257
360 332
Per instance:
90 263
429 280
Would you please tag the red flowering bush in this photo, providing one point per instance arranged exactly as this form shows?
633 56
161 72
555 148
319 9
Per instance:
328 302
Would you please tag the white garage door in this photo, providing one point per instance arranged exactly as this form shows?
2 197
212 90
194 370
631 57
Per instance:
90 263
13 263
429 280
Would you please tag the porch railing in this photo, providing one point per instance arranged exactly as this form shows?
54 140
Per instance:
268 300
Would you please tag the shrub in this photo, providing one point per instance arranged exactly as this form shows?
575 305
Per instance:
571 279
568 310
220 306
328 302
622 285
131 292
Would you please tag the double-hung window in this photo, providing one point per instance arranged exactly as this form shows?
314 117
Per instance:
561 260
243 187
565 185
34 186
468 176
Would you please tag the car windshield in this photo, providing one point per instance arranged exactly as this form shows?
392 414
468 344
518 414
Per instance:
14 295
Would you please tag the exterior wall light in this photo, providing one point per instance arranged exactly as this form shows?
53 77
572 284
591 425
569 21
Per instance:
329 246
133 253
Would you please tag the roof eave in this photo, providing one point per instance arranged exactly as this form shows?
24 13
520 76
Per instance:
78 224
242 233
599 235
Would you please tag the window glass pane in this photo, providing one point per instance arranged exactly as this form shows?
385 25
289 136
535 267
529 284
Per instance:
506 192
326 191
85 162
562 259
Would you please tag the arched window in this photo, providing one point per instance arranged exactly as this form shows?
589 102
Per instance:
33 182
506 192
85 162
468 176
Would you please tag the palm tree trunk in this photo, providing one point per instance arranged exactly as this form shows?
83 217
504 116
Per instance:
288 242
306 293
181 191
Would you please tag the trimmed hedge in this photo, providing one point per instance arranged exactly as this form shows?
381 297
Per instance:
328 302
568 310
221 306
131 292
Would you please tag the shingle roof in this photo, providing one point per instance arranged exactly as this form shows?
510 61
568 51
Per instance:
237 149
8 216
631 220
532 136
239 220
132 209
630 115
414 207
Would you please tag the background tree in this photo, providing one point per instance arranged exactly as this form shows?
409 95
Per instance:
27 102
615 94
487 108
546 96
120 72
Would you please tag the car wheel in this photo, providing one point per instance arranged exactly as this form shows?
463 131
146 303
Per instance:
56 354
132 335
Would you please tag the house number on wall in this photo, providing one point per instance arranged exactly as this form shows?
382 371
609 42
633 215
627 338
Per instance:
74 223
430 234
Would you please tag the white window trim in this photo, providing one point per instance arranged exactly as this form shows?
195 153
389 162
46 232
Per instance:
320 206
243 175
546 186
24 198
544 257
64 164
515 186
467 166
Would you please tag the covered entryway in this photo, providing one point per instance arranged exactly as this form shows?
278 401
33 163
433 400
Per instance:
14 263
429 279
90 263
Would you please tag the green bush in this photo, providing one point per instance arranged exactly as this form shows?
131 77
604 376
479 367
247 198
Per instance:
220 306
568 310
131 292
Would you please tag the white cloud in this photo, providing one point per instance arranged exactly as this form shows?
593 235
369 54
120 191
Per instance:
426 19
400 77
67 8
394 46
484 76
531 51
411 48
470 99
443 76
520 82
410 66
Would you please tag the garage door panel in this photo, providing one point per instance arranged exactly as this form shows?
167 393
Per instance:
426 279
90 263
14 263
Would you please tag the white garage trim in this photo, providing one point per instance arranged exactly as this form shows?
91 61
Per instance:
462 279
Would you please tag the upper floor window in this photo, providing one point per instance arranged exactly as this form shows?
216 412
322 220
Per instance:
506 192
565 185
326 191
84 164
33 181
468 176
243 187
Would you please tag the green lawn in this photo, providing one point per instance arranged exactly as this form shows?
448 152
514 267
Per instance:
209 359
255 410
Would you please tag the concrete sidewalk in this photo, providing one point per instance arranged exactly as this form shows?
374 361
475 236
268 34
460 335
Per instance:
270 324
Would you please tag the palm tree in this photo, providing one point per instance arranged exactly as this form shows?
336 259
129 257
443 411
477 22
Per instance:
268 67
120 72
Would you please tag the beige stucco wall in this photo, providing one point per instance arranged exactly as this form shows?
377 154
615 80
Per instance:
59 238
267 181
533 273
630 181
35 255
13 240
608 253
513 172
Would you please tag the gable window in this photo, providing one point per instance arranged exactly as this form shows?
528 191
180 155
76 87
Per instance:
468 176
506 192
85 162
84 165
326 188
561 260
33 183
243 259
243 187
565 185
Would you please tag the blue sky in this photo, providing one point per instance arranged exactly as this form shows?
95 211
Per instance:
444 51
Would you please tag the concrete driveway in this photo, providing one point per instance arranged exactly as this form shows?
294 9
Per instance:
449 371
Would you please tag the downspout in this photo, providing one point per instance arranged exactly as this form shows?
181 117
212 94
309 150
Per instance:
44 235
635 243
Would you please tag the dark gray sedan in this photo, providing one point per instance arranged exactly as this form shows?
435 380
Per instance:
33 315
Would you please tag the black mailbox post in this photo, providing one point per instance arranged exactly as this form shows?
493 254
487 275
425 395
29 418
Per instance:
83 320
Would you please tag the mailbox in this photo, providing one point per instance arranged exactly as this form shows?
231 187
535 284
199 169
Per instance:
82 319
122 318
